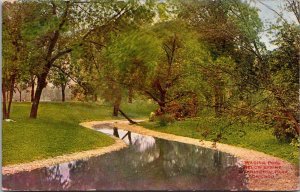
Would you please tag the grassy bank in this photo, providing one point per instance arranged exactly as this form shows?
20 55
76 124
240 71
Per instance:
56 131
251 135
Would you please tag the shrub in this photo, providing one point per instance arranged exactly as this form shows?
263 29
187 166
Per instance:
165 119
152 117
284 132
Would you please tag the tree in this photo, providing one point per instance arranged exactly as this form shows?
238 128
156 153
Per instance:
284 76
236 25
13 54
61 74
52 32
156 63
227 35
56 15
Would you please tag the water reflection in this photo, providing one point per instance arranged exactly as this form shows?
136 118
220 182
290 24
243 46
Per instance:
147 164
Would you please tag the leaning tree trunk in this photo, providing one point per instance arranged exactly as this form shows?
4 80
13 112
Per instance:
32 89
124 115
41 84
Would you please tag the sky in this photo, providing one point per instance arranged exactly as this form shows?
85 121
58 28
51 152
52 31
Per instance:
267 16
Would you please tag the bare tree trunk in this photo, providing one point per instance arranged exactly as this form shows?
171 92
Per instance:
32 88
63 95
117 104
124 115
11 94
4 100
20 93
116 110
41 84
162 103
7 96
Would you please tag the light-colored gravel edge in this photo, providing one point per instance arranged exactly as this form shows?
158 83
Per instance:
11 169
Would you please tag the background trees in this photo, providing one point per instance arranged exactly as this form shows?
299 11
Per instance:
14 54
185 56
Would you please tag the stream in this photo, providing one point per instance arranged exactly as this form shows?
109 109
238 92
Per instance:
148 163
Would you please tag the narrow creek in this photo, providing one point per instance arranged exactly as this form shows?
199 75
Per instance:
148 163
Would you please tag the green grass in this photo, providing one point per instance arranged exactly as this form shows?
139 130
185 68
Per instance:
56 131
251 135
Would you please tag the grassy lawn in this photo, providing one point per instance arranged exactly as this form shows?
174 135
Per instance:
252 135
56 131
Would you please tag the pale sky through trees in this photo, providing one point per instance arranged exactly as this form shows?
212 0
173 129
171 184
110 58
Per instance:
269 16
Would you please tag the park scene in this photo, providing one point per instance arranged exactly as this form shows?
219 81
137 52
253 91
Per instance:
150 95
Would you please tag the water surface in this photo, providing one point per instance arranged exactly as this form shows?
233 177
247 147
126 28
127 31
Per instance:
147 164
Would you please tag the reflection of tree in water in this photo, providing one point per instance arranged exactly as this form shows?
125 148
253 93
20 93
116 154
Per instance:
188 159
54 177
146 164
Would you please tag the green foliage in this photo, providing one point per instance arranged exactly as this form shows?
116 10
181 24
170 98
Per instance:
165 119
131 56
168 51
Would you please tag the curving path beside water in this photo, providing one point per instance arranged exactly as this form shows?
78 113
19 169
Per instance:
254 162
286 178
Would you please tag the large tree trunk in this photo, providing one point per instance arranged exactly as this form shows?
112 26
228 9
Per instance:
116 110
20 95
63 95
162 107
162 103
41 84
32 88
117 104
162 100
4 112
